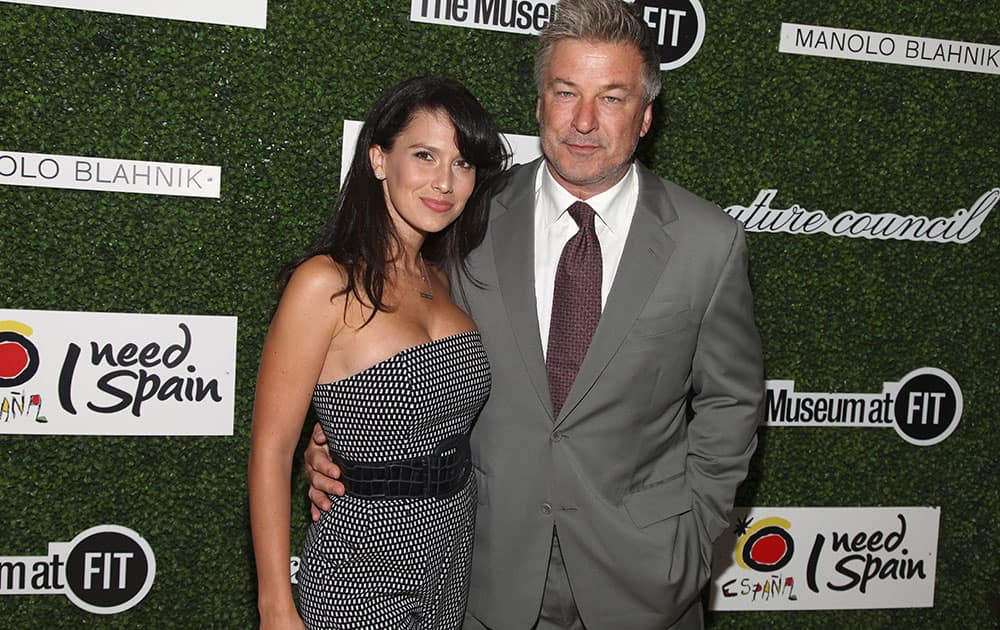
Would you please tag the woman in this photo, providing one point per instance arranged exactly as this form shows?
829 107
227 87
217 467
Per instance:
366 331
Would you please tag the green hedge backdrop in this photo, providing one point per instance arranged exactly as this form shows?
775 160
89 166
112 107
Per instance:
836 314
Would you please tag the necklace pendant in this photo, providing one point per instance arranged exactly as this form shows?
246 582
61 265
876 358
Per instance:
426 296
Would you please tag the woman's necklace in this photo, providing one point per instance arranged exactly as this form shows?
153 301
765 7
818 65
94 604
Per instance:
429 293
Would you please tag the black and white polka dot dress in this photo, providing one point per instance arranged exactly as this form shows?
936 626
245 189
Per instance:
402 562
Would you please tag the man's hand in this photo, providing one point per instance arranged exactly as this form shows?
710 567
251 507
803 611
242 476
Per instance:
322 473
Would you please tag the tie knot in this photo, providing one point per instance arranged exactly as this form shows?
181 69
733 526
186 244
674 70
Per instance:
583 214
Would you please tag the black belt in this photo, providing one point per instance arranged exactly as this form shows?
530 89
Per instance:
440 474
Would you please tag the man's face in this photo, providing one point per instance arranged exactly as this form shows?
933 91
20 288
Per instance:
591 113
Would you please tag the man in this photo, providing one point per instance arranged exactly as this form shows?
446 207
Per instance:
606 465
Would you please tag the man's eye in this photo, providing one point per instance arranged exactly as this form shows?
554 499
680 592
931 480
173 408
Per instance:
612 100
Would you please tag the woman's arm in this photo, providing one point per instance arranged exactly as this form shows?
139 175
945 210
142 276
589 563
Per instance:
295 350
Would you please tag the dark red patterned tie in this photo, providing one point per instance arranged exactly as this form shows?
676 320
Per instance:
576 305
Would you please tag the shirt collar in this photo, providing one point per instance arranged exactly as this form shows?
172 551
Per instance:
604 204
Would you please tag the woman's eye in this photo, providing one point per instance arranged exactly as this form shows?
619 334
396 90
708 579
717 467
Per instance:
424 155
464 164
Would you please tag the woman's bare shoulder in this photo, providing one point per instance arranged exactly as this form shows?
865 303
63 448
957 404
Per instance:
318 275
315 286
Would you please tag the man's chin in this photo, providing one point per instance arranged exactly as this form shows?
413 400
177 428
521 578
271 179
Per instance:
574 174
589 177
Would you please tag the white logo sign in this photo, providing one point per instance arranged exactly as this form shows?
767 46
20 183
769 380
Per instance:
842 43
251 13
826 559
109 175
924 407
66 373
678 25
511 16
679 28
104 570
961 227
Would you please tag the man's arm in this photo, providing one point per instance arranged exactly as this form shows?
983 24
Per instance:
322 473
728 381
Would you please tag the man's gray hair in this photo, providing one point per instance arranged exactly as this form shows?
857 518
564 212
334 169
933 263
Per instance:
611 21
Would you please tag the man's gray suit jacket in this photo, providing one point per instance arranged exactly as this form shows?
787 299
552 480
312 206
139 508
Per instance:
639 470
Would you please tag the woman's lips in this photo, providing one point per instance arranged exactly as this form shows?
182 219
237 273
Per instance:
437 205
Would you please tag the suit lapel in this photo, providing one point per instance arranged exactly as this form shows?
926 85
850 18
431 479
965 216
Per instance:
513 227
647 249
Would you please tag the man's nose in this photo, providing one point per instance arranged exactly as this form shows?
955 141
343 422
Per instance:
585 117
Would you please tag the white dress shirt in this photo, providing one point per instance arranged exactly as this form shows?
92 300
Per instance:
554 226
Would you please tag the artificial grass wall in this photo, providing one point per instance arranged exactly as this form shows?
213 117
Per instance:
836 314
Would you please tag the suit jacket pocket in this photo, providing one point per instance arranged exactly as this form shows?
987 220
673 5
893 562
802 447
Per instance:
660 323
659 500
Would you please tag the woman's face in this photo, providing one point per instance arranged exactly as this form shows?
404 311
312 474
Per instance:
425 179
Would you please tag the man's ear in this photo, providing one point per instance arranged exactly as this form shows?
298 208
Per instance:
647 120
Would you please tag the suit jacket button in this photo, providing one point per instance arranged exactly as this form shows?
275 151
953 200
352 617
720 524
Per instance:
546 509
557 436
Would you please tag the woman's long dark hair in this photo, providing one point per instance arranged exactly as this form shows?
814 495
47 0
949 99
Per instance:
359 234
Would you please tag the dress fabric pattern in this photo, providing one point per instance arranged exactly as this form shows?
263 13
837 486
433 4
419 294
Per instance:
402 562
